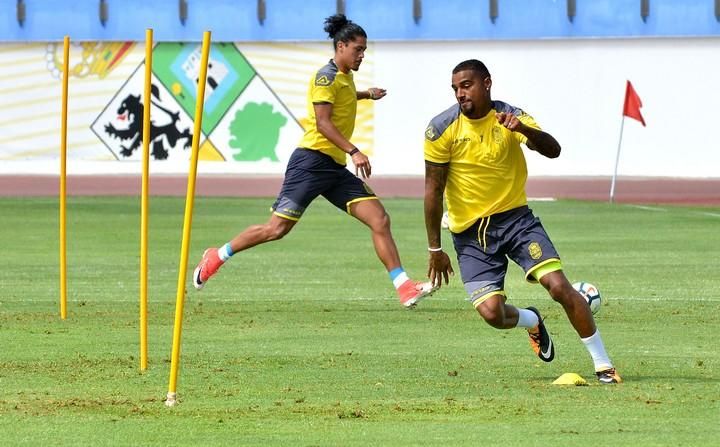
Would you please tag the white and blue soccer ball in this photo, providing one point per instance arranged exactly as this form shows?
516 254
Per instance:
591 295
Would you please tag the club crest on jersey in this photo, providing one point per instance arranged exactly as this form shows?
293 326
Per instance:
535 250
497 134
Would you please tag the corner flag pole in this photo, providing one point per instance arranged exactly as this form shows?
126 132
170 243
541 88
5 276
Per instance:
63 178
617 161
631 108
144 203
187 225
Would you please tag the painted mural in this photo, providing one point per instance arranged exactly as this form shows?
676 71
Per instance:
253 114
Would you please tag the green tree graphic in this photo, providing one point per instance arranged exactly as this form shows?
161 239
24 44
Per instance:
255 131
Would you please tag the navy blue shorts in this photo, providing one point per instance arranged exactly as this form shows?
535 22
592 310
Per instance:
484 248
310 174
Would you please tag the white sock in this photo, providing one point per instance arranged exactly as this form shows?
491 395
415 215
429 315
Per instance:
527 318
400 280
596 349
225 252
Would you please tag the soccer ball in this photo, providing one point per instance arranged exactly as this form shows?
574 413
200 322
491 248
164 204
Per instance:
591 295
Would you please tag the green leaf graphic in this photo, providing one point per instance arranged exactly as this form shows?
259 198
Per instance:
255 131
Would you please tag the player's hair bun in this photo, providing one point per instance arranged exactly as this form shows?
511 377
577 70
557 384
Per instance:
334 24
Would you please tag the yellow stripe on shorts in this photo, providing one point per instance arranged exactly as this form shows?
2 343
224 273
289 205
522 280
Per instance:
285 216
359 199
478 301
547 266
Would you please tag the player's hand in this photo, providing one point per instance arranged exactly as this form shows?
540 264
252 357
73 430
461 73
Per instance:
376 93
509 121
439 268
362 164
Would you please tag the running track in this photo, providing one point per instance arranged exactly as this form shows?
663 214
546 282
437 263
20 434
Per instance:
641 190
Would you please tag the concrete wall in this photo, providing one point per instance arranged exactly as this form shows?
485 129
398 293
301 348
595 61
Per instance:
569 71
574 88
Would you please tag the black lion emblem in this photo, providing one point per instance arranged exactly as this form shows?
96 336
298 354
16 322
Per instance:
132 110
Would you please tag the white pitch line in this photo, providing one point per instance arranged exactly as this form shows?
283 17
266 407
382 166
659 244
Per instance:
640 298
541 199
612 299
663 210
648 208
455 297
705 213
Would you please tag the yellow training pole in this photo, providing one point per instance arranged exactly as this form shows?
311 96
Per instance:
63 179
189 201
144 203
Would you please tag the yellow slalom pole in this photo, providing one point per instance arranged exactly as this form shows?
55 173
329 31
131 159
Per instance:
63 178
189 201
144 203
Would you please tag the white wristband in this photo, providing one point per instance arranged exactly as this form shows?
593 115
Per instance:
371 94
434 249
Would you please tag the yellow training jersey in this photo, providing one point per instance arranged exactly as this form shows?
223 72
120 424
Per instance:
487 169
330 85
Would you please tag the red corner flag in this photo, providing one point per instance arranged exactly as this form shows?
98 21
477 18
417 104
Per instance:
632 104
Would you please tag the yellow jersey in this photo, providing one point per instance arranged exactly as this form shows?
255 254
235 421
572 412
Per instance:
330 85
487 168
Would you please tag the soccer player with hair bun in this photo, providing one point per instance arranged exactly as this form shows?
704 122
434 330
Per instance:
317 167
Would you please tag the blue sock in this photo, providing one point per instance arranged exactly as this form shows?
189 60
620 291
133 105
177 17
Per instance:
398 276
225 252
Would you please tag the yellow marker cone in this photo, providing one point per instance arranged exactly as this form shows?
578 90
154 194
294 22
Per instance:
570 379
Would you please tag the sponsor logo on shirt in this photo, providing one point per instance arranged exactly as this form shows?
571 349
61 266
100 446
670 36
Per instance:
322 80
430 133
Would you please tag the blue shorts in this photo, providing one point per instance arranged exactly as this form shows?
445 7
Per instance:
484 248
310 174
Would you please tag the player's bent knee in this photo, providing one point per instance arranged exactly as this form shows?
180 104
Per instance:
556 292
277 231
491 314
557 286
381 223
562 294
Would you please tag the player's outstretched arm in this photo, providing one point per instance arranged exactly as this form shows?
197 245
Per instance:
541 142
373 93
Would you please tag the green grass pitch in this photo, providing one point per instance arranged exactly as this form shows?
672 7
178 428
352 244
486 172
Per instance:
302 342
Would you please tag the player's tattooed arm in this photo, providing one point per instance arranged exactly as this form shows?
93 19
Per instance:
435 179
439 265
537 140
541 142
